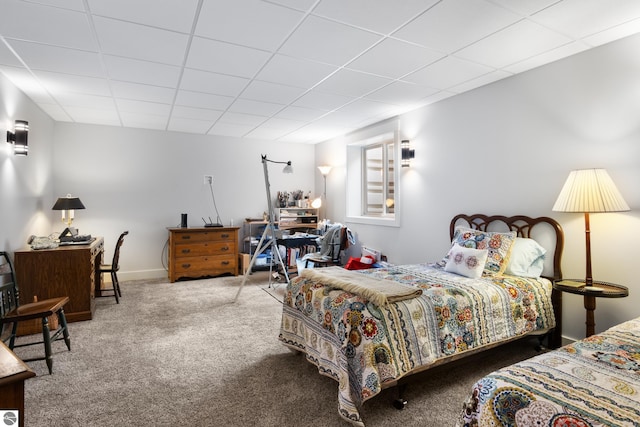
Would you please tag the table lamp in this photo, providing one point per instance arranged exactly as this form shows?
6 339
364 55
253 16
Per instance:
589 190
67 205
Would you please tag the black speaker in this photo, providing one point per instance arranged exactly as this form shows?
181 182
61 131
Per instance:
183 220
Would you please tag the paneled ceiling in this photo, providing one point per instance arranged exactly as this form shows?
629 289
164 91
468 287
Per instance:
283 70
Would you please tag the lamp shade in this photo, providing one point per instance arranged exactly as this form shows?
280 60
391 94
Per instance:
67 203
590 190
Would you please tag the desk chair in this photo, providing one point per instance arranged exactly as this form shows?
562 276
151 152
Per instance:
337 244
13 313
114 267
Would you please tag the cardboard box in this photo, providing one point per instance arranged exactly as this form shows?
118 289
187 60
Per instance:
244 260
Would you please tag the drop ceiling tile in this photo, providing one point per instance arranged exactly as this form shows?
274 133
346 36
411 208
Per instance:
76 5
284 125
401 93
302 5
295 72
259 108
179 124
547 57
7 57
394 58
321 101
215 83
144 121
55 111
365 111
121 38
230 129
57 83
142 92
28 84
265 133
513 44
581 18
203 100
389 14
271 92
615 33
480 81
225 58
143 107
252 23
52 58
327 41
242 119
300 113
45 24
134 71
96 116
448 72
352 83
454 24
202 114
70 99
176 15
525 7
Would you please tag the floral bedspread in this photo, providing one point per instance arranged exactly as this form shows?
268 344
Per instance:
593 382
363 346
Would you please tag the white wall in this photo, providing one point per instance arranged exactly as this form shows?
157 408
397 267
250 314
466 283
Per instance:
25 181
507 148
143 180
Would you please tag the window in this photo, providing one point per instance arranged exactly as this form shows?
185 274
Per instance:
372 193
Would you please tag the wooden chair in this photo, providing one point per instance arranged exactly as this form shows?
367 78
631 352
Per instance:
114 267
333 258
11 312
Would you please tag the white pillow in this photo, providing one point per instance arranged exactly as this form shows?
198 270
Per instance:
527 258
466 262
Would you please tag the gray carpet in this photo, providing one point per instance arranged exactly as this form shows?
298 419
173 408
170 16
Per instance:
183 354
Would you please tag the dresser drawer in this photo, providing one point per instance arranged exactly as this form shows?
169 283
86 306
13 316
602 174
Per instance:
205 248
205 236
206 263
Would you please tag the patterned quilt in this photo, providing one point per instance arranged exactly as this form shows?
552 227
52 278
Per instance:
364 346
593 382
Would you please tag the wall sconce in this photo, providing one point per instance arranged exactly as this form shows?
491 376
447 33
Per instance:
19 138
407 153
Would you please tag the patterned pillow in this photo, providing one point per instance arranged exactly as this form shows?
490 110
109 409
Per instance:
466 262
497 244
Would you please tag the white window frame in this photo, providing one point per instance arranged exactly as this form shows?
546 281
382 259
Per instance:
356 186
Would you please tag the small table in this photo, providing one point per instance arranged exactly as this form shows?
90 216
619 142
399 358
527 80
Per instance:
590 293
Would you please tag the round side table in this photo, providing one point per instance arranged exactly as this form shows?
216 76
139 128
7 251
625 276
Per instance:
590 293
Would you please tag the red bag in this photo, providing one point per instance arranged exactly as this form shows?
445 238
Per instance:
360 263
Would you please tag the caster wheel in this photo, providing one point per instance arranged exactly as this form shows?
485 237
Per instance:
399 404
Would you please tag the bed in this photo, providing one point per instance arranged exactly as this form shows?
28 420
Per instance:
370 329
593 382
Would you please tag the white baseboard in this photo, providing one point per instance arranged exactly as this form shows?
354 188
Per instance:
124 276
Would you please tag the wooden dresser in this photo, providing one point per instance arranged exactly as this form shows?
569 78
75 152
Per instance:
202 251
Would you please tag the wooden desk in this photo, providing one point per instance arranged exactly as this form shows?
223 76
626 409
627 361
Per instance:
72 271
13 373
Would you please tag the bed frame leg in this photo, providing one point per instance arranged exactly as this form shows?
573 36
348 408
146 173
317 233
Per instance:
400 402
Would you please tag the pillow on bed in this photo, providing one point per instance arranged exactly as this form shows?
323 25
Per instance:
466 262
527 258
497 244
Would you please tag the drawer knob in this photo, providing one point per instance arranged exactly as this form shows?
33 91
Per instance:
186 237
224 248
186 251
225 262
186 265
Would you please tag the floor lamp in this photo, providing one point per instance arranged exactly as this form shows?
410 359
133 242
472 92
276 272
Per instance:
589 190
268 238
324 170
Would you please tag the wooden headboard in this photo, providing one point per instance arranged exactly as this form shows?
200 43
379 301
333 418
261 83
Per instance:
546 231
